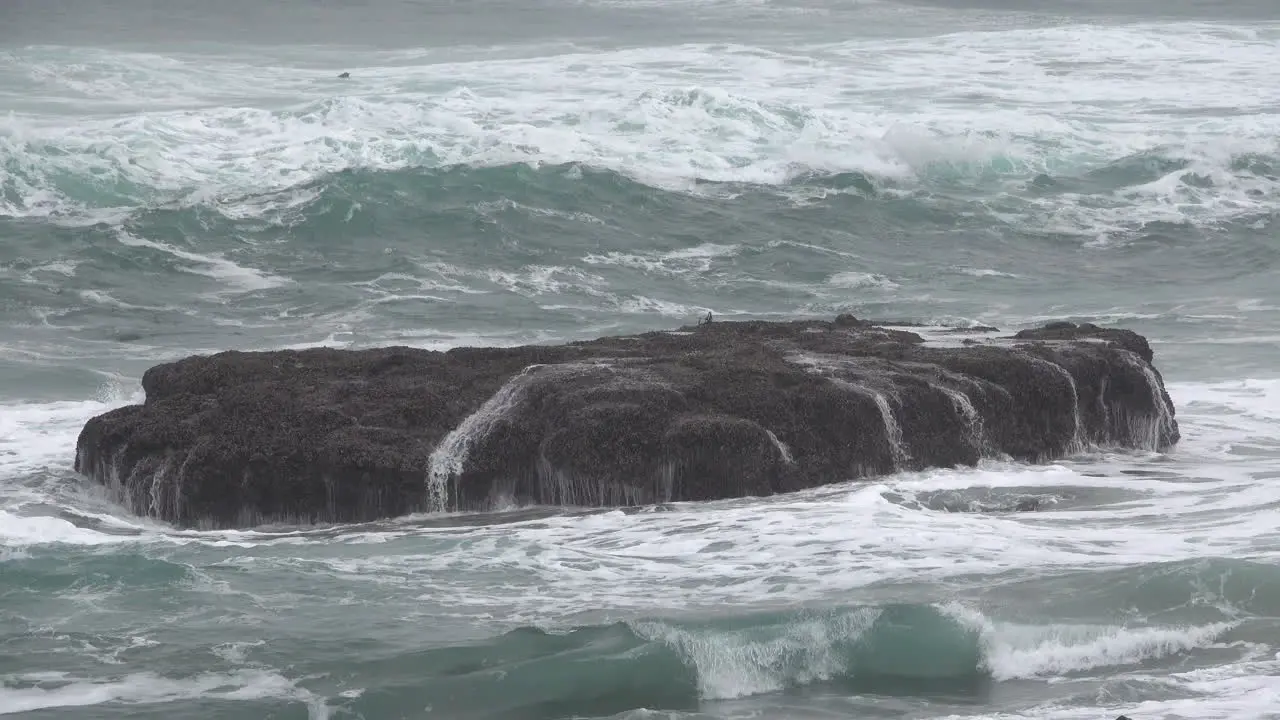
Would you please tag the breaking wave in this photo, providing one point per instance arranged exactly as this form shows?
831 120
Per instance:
598 670
208 131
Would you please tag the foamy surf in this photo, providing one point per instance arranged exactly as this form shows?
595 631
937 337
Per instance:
1056 123
44 692
1092 512
182 181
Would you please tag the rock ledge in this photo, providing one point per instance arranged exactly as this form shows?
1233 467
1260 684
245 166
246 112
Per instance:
721 410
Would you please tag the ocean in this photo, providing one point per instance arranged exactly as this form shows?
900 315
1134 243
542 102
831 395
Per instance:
187 177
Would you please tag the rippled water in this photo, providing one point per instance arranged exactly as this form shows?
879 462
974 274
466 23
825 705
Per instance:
175 180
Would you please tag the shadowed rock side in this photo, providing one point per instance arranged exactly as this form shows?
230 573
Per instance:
721 410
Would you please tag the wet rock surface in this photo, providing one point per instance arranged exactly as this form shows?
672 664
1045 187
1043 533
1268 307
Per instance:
718 410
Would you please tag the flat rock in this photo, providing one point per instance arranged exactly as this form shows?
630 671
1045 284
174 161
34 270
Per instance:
720 410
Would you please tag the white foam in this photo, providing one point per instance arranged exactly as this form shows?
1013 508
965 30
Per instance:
805 649
449 458
528 281
18 531
1233 691
236 277
984 272
1003 105
1209 497
643 305
236 652
567 283
693 260
852 280
1026 651
149 688
37 445
739 664
703 554
36 436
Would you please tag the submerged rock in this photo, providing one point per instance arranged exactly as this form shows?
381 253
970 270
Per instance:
720 410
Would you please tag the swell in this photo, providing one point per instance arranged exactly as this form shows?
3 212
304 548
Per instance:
894 648
169 602
378 256
523 216
1120 195
577 198
952 115
898 650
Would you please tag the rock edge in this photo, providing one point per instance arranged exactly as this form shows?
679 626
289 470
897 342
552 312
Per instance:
719 410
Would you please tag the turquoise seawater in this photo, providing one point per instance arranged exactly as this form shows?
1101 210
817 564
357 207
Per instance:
192 177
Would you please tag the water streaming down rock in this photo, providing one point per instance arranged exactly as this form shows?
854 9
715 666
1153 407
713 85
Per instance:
973 421
783 451
560 486
722 410
892 430
1145 429
1076 443
862 371
165 497
449 458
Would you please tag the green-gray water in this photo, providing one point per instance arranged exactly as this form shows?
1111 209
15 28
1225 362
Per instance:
188 177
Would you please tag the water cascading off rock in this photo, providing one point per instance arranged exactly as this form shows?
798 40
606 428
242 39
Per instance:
721 410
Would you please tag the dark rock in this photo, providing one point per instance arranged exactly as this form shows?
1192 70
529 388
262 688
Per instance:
724 409
1063 330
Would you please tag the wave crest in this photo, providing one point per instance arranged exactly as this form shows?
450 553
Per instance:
896 649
